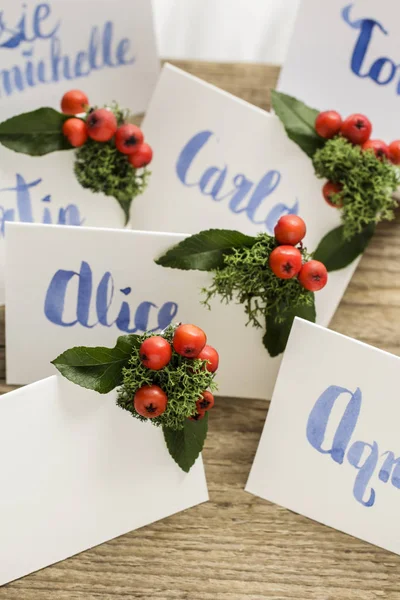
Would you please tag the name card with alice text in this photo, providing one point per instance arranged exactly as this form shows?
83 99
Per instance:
353 67
70 479
330 447
108 50
220 162
77 286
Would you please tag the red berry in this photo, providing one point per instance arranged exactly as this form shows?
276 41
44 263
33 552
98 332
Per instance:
328 123
142 156
102 125
290 229
329 190
379 148
313 276
198 416
357 129
211 355
75 131
128 138
74 102
206 402
150 401
189 340
394 152
155 353
285 261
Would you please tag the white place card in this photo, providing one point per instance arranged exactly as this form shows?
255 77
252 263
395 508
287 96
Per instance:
70 480
330 446
108 50
76 286
351 67
100 47
220 162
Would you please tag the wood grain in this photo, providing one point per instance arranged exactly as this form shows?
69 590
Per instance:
237 546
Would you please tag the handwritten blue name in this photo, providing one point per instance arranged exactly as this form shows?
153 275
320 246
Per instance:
103 300
363 456
245 197
23 212
382 70
36 25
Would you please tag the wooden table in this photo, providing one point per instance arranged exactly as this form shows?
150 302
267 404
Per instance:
237 546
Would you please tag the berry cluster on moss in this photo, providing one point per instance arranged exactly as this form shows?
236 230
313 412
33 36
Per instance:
183 380
367 183
247 278
102 168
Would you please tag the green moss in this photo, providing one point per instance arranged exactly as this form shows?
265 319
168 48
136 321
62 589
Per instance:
183 380
101 168
368 183
247 278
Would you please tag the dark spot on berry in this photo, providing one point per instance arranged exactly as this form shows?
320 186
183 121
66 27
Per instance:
360 124
150 408
204 404
287 267
131 141
188 350
144 357
92 121
316 277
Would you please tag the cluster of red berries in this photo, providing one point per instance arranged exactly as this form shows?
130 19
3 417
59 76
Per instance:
189 341
101 125
286 260
356 129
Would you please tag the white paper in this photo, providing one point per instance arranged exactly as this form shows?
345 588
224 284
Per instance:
330 445
47 312
119 33
71 476
107 49
253 148
344 55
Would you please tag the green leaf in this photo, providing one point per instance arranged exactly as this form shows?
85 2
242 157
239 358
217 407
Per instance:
35 133
336 252
185 445
205 251
277 333
299 122
98 369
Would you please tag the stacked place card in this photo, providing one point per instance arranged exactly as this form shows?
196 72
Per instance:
353 69
330 447
106 49
71 477
76 286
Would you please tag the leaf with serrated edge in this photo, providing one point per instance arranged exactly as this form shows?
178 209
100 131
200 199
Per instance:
299 122
337 253
185 445
205 251
277 333
98 369
35 133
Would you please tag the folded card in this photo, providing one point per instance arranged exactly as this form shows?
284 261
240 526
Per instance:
105 48
353 69
330 446
220 162
101 47
71 478
72 286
